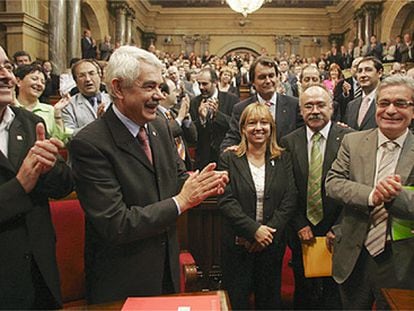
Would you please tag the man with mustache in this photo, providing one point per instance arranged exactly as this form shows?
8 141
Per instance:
324 136
31 172
368 177
90 103
133 186
360 112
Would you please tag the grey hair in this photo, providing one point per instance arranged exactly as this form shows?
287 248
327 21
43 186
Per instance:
125 64
397 80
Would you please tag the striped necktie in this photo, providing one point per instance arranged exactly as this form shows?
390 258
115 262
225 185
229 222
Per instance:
314 210
358 91
377 233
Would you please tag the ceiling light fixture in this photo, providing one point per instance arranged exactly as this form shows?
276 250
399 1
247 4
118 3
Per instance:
245 6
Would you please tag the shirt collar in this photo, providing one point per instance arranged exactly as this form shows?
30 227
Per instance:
399 141
37 107
132 127
370 95
324 131
263 101
8 118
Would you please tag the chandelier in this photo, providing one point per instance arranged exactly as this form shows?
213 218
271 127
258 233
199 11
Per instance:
245 6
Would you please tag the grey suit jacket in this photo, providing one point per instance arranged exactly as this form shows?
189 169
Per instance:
351 180
351 115
297 145
288 118
79 112
130 214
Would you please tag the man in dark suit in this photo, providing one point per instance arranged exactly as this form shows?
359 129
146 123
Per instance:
88 45
181 126
347 89
30 173
317 109
374 48
360 113
407 49
129 178
210 112
368 176
264 74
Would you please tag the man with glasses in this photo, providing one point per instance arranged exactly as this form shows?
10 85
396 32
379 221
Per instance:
87 105
374 244
31 172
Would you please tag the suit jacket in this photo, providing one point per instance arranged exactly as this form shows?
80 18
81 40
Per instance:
188 135
404 52
88 49
130 214
288 118
352 111
211 134
375 51
79 112
297 145
351 180
341 99
106 50
26 230
238 203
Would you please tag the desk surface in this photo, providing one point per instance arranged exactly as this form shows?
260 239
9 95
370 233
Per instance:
224 301
399 299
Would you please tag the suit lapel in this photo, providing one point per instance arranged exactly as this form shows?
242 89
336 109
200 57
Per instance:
367 158
17 144
353 114
124 140
332 145
405 162
302 152
369 115
243 167
270 171
280 114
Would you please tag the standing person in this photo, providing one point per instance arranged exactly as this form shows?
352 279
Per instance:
210 112
334 77
129 178
30 172
360 112
90 103
22 58
52 82
88 45
368 177
256 207
284 109
106 48
407 49
313 148
374 48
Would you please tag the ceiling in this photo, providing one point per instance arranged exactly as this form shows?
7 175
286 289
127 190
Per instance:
221 3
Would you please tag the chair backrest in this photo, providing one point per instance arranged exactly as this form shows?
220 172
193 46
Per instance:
69 222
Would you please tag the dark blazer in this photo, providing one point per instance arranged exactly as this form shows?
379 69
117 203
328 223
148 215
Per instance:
88 49
341 99
404 49
130 214
350 181
187 134
211 134
238 207
288 118
26 231
297 145
351 115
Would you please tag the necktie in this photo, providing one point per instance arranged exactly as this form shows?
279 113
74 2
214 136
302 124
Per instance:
314 210
178 140
143 140
358 91
363 109
377 233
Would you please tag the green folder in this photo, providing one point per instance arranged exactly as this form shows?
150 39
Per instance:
401 228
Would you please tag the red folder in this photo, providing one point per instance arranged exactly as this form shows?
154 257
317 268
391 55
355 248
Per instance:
184 303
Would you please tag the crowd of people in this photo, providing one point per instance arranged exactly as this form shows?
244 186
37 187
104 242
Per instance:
309 153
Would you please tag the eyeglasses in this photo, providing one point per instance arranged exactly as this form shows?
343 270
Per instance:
320 106
7 66
83 75
400 104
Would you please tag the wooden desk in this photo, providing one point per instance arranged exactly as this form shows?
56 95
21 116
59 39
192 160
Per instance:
224 301
399 299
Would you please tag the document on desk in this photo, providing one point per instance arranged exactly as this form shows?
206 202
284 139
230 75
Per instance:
317 259
174 303
400 228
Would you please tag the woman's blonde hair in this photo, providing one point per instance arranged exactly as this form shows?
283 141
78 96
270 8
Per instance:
258 111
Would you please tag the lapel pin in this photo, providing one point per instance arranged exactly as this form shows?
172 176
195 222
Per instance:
154 133
272 162
337 138
19 137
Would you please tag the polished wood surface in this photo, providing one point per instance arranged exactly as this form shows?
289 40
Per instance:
399 299
224 302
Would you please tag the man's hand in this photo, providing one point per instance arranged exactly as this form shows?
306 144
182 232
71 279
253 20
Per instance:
346 88
330 238
387 189
213 105
264 235
305 234
201 185
203 109
184 108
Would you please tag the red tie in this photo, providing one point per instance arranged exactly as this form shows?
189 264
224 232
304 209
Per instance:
143 139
